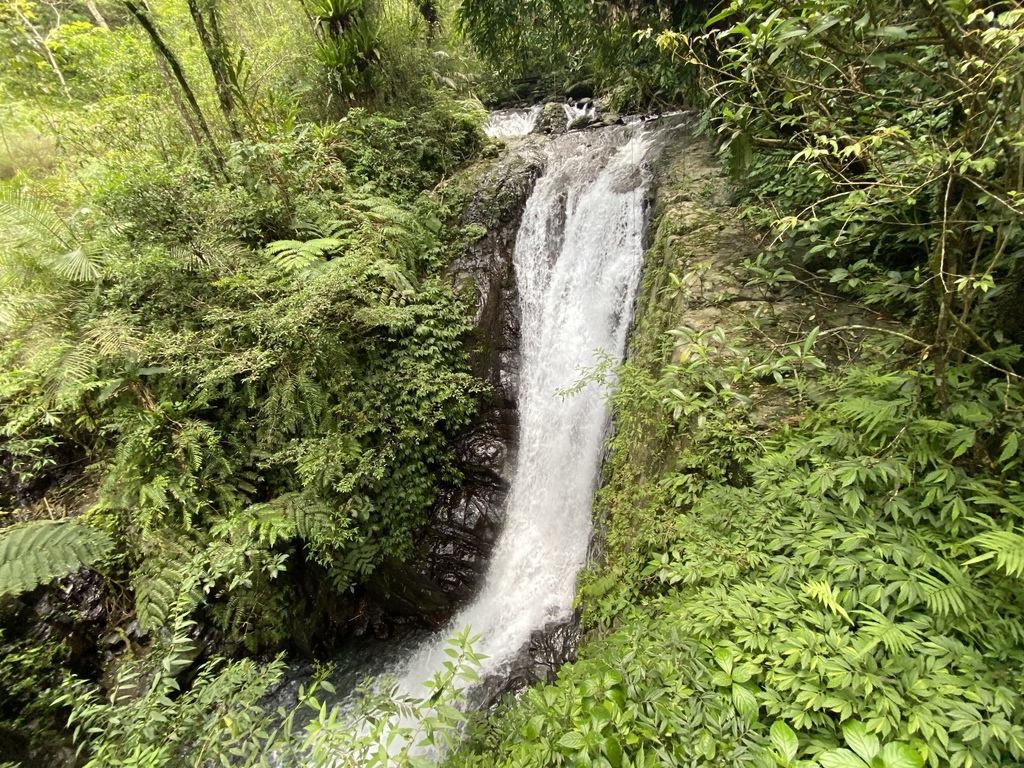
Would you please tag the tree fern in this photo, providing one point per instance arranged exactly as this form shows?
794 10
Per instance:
296 255
35 553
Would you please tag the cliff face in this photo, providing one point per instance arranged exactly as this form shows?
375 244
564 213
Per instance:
454 547
468 519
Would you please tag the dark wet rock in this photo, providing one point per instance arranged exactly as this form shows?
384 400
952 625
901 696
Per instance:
584 120
70 616
486 269
403 589
538 661
552 118
580 91
467 519
454 548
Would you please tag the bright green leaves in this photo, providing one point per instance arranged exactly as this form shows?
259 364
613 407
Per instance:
1007 547
865 752
734 678
784 745
865 176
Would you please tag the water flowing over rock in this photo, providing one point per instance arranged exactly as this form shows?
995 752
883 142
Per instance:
575 271
509 123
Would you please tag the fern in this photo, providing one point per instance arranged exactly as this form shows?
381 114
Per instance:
157 592
822 592
949 592
35 553
1005 546
296 255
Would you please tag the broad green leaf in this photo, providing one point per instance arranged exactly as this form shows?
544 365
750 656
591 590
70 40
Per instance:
898 755
840 758
573 740
784 740
744 701
613 751
863 743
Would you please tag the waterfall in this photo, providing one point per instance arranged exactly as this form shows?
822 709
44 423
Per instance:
577 262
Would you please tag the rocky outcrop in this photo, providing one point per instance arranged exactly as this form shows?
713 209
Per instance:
455 546
538 661
553 118
468 519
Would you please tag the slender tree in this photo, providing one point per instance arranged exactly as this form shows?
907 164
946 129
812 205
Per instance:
215 47
142 16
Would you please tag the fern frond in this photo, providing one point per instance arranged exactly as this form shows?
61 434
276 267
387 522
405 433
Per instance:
393 275
289 514
897 637
296 255
38 239
949 591
26 216
166 586
35 553
822 592
1005 546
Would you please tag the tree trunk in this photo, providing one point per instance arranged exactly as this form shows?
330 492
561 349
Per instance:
96 15
172 62
40 42
216 54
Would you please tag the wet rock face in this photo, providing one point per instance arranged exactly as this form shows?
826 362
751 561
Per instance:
538 661
468 519
454 549
553 118
487 271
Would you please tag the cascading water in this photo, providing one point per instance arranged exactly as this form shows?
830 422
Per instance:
508 123
577 261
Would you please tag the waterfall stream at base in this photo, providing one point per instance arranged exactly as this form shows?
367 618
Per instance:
577 263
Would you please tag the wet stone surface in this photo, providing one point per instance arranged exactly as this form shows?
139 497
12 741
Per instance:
455 546
538 661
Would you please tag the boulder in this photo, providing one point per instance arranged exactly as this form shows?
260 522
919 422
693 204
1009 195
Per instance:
552 118
580 91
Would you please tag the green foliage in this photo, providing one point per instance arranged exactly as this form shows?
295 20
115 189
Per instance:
558 42
35 553
222 718
870 135
857 570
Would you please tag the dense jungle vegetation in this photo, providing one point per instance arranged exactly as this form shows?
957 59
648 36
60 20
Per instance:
232 369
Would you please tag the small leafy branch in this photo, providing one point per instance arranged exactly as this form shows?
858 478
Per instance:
150 721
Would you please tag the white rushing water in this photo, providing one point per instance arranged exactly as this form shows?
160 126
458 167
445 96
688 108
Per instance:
510 123
577 261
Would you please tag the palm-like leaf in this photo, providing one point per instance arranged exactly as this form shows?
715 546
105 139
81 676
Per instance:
38 248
